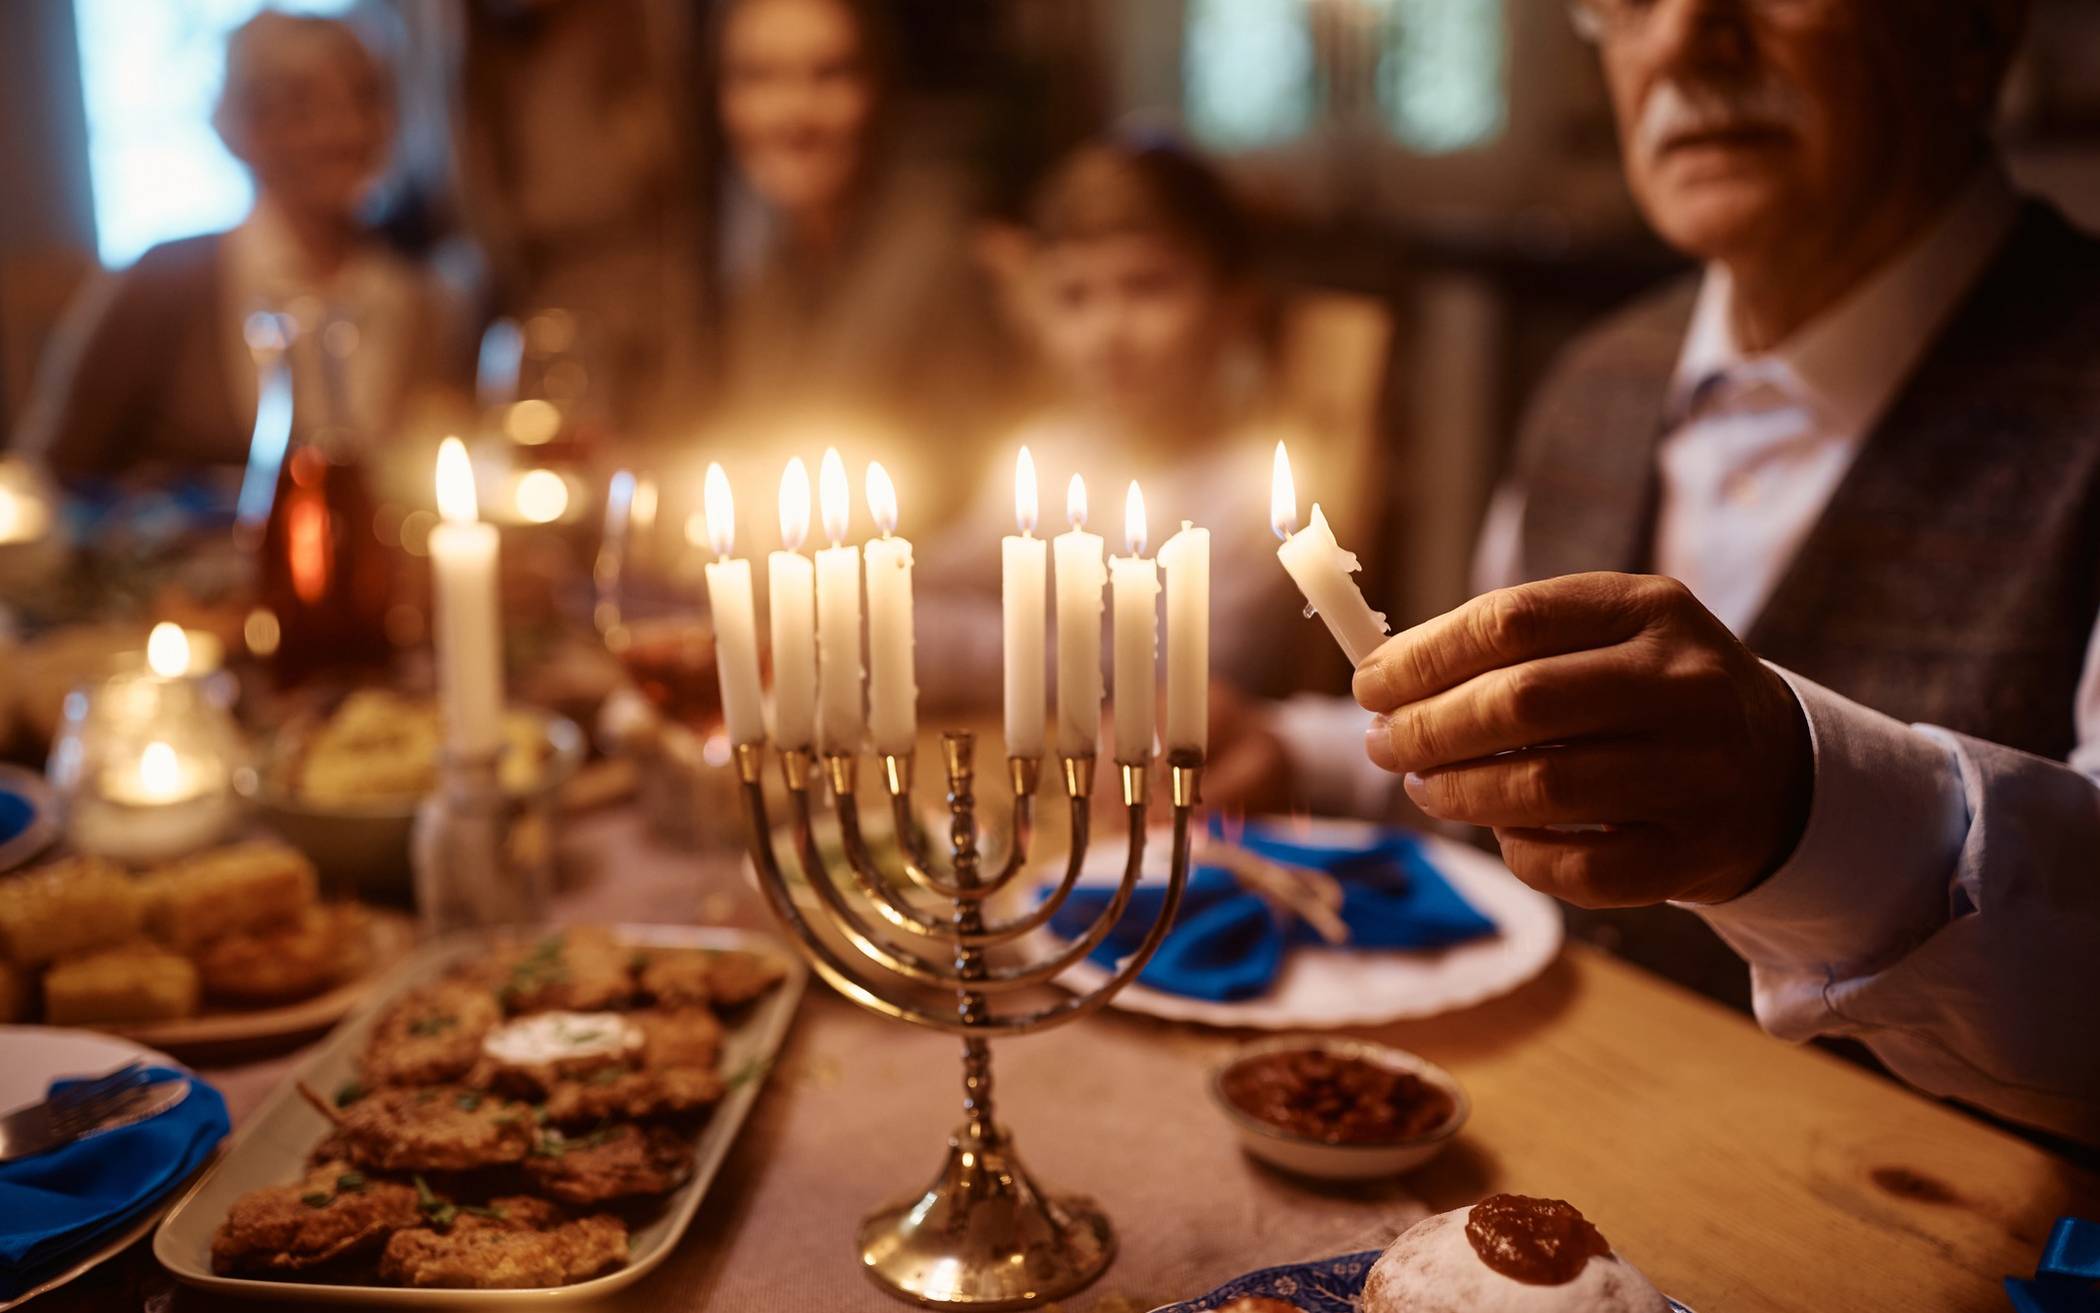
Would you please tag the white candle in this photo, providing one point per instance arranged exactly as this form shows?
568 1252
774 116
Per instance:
1079 579
1023 562
1135 580
838 618
893 691
736 625
469 634
1321 569
157 778
792 588
1186 557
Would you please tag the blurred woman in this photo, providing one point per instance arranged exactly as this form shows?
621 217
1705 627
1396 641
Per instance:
152 374
1146 308
847 288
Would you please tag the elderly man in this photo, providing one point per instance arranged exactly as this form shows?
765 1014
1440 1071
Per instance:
1853 719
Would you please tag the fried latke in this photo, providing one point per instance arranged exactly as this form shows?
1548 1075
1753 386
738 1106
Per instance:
333 1213
580 970
673 977
516 1243
616 1162
438 1128
433 1034
734 979
280 963
678 1037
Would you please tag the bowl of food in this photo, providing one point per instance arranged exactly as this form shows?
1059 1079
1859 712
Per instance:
343 787
1339 1109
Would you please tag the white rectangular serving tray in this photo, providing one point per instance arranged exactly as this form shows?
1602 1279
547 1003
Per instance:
272 1148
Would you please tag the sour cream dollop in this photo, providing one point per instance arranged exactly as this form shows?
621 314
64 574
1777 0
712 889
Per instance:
547 1038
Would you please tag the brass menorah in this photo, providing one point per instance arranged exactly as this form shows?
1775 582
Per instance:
982 1235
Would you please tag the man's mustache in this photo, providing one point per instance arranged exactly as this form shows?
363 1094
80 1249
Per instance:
1677 109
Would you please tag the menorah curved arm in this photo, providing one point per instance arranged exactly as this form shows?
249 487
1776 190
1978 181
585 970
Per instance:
918 864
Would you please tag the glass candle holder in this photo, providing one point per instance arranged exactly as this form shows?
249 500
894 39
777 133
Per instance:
144 766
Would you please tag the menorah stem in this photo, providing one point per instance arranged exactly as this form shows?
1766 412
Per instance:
958 749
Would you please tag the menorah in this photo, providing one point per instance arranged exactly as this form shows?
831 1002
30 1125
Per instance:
983 1235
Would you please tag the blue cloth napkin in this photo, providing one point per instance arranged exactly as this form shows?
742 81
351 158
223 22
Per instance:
1227 944
16 812
2067 1280
57 1203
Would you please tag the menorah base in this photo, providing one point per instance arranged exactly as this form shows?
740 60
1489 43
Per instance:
983 1236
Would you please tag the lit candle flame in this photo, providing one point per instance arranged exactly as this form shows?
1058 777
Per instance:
1283 497
455 483
1075 502
1025 499
721 511
794 504
1134 520
832 496
882 498
168 651
644 508
160 773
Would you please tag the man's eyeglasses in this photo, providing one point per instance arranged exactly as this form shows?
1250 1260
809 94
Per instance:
1600 20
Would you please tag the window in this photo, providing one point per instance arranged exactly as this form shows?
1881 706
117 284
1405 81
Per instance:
150 74
1247 73
1441 86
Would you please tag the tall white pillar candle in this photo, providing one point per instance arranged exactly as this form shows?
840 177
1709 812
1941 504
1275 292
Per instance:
1079 579
467 623
838 617
736 622
792 602
1186 558
1023 562
1321 569
893 689
1135 582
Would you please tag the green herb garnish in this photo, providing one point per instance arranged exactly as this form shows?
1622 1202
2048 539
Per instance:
750 1071
605 1075
491 1213
436 1023
468 1101
317 1199
349 1092
435 1209
352 1182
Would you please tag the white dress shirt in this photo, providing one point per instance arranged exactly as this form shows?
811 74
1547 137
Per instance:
1943 905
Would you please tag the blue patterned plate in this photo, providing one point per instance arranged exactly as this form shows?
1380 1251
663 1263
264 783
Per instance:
1329 1285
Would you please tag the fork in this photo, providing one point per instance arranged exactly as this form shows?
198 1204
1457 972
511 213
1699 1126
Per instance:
69 1114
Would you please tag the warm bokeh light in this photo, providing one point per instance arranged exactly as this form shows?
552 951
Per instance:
882 498
721 510
160 772
455 483
532 423
1283 497
1026 502
10 516
261 632
1075 502
168 651
642 514
1134 520
542 496
794 504
833 498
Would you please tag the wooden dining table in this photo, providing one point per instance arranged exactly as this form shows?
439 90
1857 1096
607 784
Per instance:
1741 1173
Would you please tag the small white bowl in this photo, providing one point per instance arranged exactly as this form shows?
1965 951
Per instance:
1341 1162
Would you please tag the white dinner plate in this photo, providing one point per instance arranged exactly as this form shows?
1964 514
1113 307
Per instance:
1322 988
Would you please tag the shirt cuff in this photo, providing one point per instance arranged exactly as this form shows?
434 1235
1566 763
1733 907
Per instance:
1324 739
1871 876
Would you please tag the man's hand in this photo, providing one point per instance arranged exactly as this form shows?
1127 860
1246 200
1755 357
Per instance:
1611 702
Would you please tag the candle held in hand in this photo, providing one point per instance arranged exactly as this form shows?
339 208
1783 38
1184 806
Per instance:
736 625
468 630
893 690
1321 569
792 584
838 617
1023 572
1079 579
1135 580
1186 558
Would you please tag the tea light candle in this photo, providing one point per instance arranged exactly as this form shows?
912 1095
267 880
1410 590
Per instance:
1321 569
1023 569
838 617
469 634
1135 582
792 602
893 691
1186 558
1079 579
736 625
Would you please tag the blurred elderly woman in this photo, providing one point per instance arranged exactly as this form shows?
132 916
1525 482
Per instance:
152 374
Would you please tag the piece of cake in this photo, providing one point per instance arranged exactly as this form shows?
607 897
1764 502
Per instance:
1507 1254
242 887
138 981
67 908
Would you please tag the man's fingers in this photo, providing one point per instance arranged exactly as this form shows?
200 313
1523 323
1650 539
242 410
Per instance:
1613 782
1621 867
1602 691
1504 628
